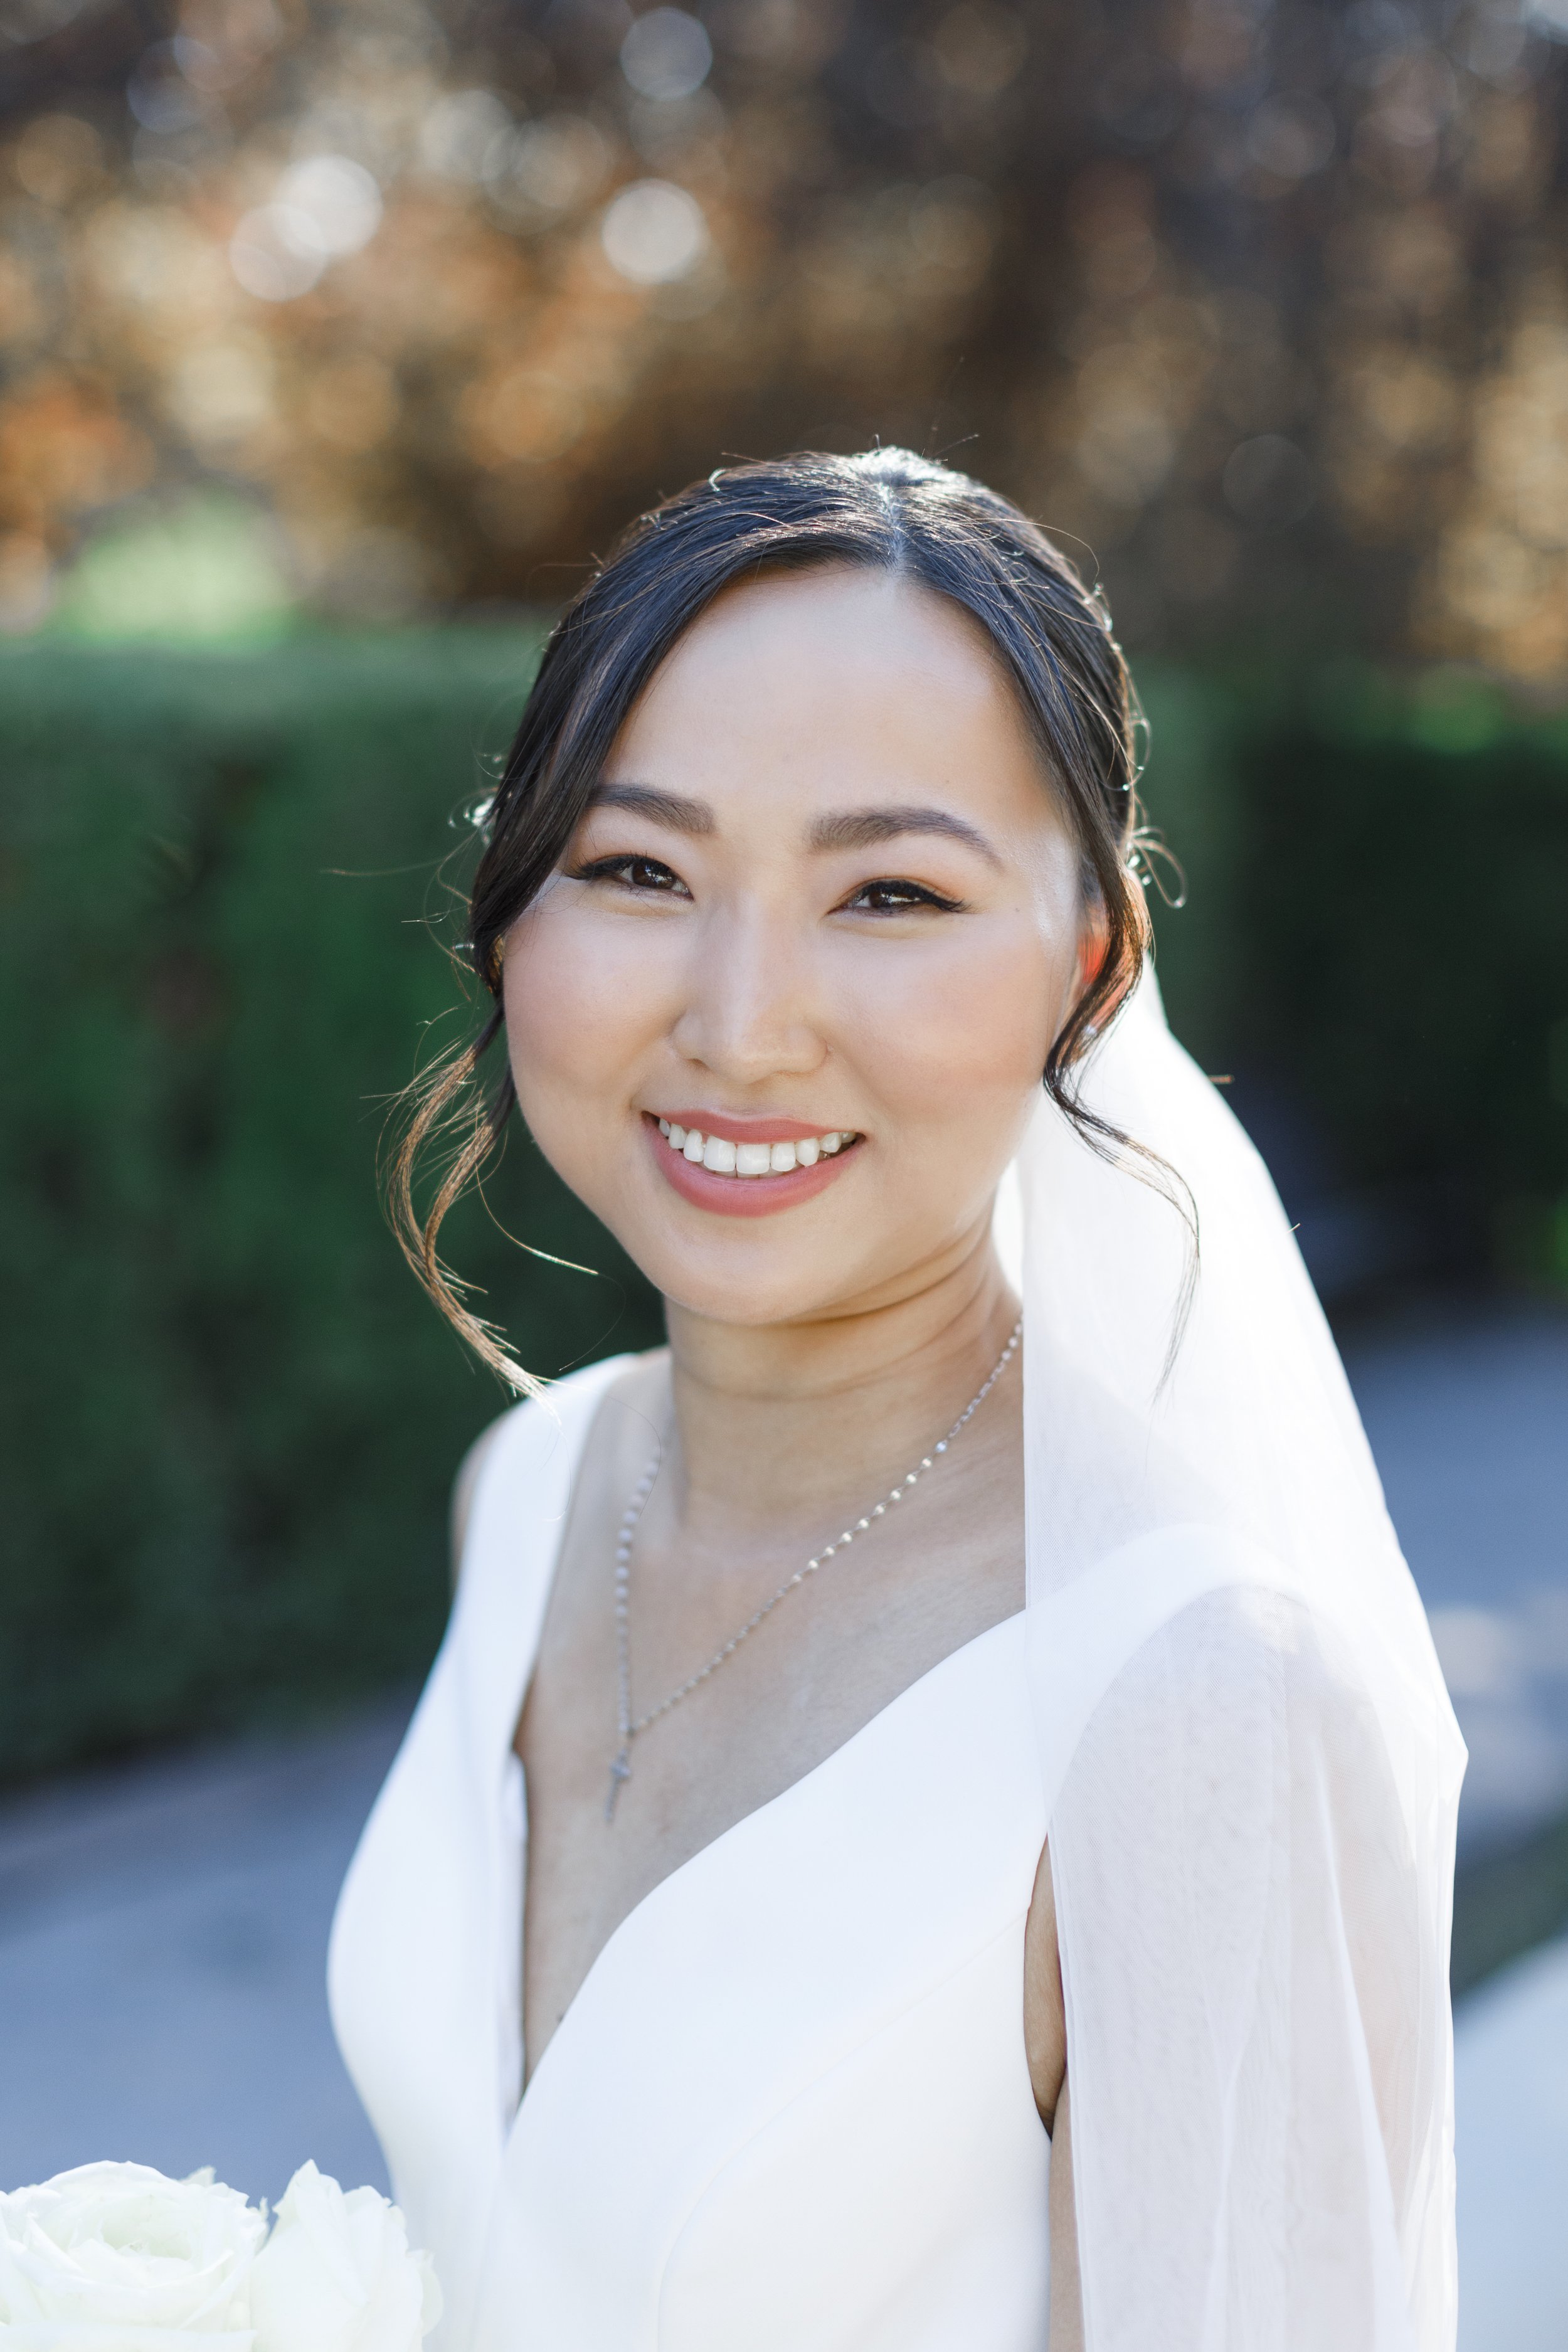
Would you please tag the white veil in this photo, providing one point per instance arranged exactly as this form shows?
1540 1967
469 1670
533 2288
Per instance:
1252 1767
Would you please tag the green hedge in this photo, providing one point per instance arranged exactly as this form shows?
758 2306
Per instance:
1508 1903
229 1418
1377 939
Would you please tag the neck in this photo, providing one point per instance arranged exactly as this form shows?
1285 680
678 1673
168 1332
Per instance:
777 1422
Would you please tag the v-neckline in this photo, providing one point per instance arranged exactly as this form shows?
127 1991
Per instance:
746 1822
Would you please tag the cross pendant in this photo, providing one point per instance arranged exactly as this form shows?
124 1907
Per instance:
620 1769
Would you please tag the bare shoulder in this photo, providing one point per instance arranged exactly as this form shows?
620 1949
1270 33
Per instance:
632 1400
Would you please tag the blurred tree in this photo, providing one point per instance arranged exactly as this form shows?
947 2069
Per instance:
1266 304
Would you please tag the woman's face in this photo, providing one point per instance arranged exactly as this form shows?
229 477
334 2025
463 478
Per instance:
823 891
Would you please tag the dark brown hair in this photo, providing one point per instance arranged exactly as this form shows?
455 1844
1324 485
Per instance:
886 511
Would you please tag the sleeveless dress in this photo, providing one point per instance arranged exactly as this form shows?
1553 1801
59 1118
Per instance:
789 2110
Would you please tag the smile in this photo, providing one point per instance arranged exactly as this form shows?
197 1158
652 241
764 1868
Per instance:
761 1167
723 1157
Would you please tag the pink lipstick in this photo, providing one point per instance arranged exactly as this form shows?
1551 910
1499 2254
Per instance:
741 1167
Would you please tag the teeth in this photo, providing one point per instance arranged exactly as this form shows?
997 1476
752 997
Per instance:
726 1158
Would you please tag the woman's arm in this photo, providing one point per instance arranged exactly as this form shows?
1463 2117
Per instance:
1045 2039
1066 2303
1259 2003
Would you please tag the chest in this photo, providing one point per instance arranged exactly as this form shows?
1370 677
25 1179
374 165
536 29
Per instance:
831 1656
790 2104
797 2058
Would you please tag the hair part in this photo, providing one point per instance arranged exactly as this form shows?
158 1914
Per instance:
886 511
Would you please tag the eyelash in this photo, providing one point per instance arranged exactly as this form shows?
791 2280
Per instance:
910 894
622 869
902 894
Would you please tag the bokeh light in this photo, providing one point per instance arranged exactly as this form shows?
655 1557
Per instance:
666 54
1263 306
654 231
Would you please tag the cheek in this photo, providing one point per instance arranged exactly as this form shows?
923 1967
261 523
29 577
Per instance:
582 998
961 1028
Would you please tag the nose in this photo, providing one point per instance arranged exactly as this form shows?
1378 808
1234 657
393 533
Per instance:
746 1016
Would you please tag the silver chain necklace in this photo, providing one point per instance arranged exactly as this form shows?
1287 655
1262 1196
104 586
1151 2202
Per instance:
630 1726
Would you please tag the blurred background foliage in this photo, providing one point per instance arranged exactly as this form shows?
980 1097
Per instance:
230 1417
1264 301
335 339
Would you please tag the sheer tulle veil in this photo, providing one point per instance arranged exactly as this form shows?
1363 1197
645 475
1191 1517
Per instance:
1251 1766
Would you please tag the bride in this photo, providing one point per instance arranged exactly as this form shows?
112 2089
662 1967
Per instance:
932 1822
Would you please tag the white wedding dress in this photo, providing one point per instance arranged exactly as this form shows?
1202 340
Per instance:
790 2108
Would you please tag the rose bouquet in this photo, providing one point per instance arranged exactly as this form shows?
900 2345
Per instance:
117 2258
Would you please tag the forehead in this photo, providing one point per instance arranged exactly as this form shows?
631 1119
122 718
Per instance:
836 681
845 619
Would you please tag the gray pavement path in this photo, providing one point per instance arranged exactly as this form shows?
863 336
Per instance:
1468 1415
1511 2084
162 1932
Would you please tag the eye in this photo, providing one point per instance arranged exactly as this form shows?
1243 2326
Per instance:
890 896
642 874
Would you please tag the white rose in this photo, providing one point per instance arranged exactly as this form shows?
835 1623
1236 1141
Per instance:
117 2258
337 2275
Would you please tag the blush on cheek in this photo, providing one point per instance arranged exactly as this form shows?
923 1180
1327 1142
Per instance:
571 1003
584 1002
970 1031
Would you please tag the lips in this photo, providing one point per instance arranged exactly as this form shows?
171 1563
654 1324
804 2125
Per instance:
747 1168
748 1155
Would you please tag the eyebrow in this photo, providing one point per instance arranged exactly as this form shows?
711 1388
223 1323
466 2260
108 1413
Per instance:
868 828
671 809
865 829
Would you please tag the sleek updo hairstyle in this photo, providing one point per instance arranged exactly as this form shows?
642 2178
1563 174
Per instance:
884 511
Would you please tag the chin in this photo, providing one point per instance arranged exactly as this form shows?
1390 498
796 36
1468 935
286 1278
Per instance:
746 1282
747 1271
